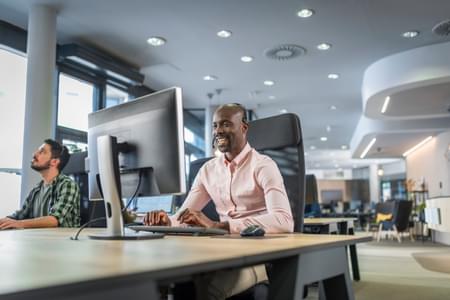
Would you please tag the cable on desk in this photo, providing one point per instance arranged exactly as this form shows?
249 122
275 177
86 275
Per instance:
75 238
135 193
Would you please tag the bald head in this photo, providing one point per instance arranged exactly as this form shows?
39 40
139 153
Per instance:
235 108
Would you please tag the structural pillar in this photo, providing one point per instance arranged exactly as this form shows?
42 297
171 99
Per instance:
40 100
374 183
209 114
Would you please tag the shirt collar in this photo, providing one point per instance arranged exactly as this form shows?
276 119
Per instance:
240 157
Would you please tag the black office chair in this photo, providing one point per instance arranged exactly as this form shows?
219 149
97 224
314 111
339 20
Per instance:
280 137
312 206
75 169
400 220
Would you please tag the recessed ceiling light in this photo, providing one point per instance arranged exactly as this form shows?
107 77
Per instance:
156 41
269 82
246 59
324 46
333 76
224 34
305 13
344 147
368 148
385 104
209 77
283 111
312 147
272 97
323 138
328 128
332 107
410 34
418 146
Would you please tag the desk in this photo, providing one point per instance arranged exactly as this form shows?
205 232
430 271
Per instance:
45 264
335 225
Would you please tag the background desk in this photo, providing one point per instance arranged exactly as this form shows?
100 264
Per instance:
46 264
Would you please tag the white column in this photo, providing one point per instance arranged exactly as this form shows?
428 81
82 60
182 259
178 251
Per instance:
40 103
374 183
209 113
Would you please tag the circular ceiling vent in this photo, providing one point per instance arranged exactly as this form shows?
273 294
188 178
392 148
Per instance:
442 28
285 52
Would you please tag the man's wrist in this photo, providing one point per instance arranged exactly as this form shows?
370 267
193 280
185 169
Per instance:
222 225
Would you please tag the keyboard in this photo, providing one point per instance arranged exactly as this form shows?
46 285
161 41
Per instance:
190 230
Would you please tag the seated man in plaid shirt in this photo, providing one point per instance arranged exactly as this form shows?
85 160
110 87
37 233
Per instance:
55 201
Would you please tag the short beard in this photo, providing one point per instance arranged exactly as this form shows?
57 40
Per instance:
41 168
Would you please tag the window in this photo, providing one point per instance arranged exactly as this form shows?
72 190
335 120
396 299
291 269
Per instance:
114 96
12 114
75 102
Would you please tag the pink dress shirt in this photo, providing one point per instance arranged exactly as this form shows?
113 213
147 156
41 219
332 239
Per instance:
248 190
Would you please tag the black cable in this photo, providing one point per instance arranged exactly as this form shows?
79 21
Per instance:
135 192
75 238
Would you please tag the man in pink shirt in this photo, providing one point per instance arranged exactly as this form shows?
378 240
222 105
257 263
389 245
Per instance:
247 189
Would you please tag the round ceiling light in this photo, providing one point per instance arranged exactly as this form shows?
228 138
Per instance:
209 77
333 76
285 52
224 34
305 13
246 59
410 34
269 82
156 41
324 46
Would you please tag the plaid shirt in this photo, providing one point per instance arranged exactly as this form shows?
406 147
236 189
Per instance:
63 202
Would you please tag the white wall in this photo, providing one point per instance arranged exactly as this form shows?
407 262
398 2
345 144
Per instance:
432 162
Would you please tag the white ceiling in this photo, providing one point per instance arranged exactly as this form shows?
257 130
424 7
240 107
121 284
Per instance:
361 32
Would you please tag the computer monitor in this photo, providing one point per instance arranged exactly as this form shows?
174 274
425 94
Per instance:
136 148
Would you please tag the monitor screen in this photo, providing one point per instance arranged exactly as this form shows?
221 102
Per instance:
152 128
331 196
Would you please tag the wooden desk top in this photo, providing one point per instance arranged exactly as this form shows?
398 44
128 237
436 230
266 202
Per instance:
326 221
38 258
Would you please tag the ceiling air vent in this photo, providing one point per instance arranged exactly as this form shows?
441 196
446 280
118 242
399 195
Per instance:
285 52
442 28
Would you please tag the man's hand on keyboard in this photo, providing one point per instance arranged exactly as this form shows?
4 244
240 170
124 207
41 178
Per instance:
8 223
157 217
195 218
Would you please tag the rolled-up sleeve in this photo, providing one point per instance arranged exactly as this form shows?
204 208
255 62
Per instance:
197 198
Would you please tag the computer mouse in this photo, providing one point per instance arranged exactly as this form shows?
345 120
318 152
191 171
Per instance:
253 230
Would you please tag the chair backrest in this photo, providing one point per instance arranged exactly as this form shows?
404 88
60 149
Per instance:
387 207
402 213
280 137
210 209
311 194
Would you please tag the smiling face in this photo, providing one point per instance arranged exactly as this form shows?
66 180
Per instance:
230 132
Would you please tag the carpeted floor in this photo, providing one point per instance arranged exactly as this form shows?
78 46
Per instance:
437 262
406 271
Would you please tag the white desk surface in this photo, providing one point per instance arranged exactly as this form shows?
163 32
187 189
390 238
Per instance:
38 258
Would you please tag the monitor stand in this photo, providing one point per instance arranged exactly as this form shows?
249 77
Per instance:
108 166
